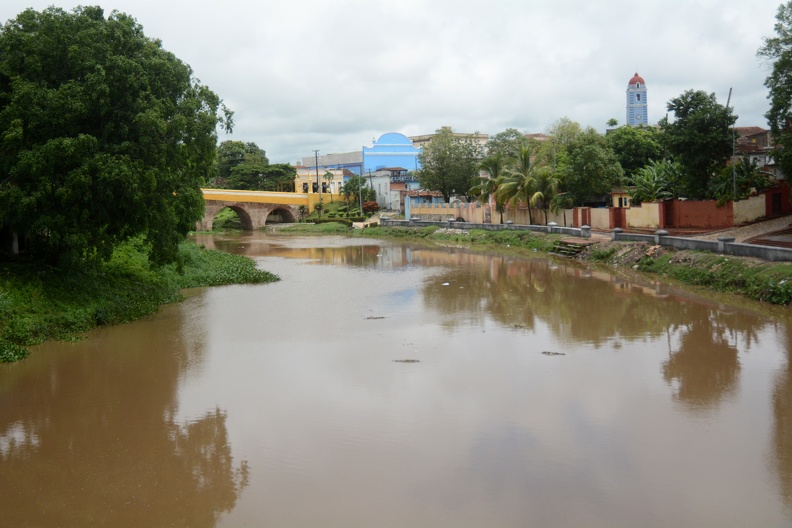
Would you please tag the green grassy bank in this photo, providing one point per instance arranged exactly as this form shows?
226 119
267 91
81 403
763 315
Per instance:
38 303
756 279
511 240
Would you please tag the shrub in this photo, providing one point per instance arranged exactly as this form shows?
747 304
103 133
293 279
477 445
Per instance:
370 207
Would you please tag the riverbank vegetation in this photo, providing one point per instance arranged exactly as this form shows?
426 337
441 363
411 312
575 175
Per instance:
39 302
756 279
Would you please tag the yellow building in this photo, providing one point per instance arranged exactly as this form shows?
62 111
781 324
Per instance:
307 180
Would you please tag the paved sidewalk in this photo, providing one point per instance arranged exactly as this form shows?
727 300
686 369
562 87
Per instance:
741 234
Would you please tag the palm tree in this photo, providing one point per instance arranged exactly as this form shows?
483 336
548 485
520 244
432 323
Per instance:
520 184
547 184
485 189
329 177
561 202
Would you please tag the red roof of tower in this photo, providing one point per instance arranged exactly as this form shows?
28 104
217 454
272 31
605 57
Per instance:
636 79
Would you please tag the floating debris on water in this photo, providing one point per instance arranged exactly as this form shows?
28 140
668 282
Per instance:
375 317
406 361
546 353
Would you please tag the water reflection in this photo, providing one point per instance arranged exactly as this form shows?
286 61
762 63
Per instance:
88 436
659 407
704 342
782 426
706 365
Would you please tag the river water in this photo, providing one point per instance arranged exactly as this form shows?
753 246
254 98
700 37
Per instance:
382 384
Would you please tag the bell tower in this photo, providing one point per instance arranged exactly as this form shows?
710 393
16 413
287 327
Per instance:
636 102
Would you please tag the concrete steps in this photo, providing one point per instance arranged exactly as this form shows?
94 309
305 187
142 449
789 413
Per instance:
569 247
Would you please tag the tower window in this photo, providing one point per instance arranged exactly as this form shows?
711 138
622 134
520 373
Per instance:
639 96
637 85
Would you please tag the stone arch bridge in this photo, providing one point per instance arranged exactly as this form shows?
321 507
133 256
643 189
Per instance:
255 208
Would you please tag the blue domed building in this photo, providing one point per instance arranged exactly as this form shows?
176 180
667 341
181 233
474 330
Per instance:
391 150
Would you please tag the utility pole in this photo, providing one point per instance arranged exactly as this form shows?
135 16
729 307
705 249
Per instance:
734 160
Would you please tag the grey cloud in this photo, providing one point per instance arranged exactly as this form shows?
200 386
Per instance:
332 75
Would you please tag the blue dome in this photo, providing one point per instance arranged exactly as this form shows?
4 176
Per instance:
393 138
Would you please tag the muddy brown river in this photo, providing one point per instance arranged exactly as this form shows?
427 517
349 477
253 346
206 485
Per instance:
382 384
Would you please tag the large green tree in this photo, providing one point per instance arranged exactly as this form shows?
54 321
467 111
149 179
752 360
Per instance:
507 144
449 163
778 50
590 169
104 135
635 147
245 166
232 155
700 138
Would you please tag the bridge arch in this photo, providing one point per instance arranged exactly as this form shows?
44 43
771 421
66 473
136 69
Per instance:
251 215
281 214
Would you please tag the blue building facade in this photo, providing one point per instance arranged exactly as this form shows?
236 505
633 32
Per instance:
391 150
636 102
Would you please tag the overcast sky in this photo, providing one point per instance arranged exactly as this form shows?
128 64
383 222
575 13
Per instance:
335 74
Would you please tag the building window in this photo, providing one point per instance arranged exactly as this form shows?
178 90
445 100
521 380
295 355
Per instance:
638 96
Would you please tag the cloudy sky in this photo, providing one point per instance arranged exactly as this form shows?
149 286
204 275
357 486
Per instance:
335 74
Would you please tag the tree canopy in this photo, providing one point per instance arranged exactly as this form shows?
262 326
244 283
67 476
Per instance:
778 49
635 147
590 168
449 163
700 138
104 135
507 144
245 166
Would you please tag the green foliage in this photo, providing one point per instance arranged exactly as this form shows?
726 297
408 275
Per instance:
564 132
778 51
657 181
245 166
759 280
602 255
9 352
448 163
635 147
106 136
337 225
591 169
513 239
506 145
356 190
700 138
746 176
48 303
519 185
485 187
227 220
236 159
547 184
